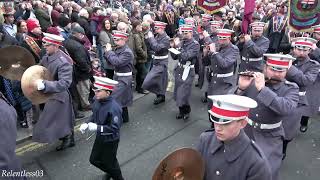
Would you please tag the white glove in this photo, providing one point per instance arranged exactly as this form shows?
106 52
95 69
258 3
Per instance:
40 84
206 34
92 126
83 127
150 34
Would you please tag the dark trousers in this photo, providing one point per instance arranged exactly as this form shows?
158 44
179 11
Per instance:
141 74
125 114
104 157
109 73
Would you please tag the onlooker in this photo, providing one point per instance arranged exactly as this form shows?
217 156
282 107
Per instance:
42 15
82 65
105 37
140 54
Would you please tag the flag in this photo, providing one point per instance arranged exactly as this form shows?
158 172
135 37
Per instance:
303 14
247 16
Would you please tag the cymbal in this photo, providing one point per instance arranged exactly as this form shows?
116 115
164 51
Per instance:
182 164
14 60
29 87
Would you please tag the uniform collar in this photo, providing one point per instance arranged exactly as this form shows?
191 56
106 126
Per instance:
121 49
301 62
234 148
187 41
275 86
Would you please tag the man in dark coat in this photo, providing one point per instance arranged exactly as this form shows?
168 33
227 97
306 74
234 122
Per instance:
184 71
8 134
252 48
276 30
59 107
106 121
156 80
228 152
82 64
121 58
276 99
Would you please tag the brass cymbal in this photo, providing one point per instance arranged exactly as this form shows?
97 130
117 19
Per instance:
29 87
14 60
182 164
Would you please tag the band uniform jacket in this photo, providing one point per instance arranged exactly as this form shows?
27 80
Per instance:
182 88
252 54
222 76
275 101
203 70
156 80
107 114
8 133
304 73
57 117
239 159
122 61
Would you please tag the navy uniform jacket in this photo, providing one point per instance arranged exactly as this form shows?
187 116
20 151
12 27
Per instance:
253 49
239 159
315 54
223 69
107 114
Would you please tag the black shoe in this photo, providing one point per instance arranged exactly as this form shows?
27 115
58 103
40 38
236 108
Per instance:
24 124
284 156
186 116
196 85
159 99
179 116
143 91
66 143
303 129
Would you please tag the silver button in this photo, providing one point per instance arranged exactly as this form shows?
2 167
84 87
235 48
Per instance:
216 65
224 150
218 173
214 82
257 115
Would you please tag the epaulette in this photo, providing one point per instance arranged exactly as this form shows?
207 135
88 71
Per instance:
210 130
291 83
257 148
314 61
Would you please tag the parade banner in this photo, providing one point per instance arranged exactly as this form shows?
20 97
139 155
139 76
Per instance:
303 14
211 6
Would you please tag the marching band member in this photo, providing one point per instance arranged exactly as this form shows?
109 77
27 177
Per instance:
121 58
227 151
156 80
222 60
252 48
304 72
59 107
276 99
184 71
106 121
